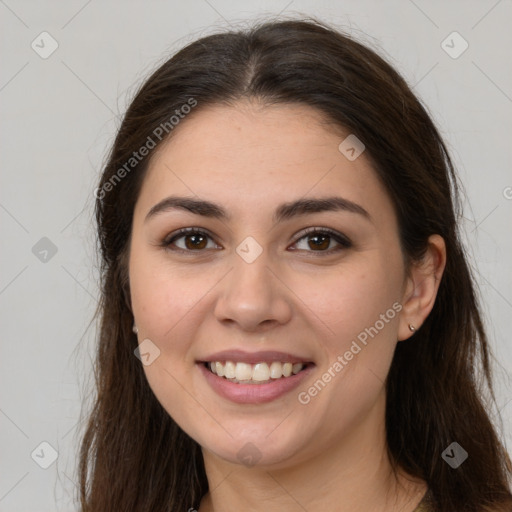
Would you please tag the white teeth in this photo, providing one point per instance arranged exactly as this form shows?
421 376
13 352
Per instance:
261 372
287 369
254 373
243 371
296 368
276 370
229 370
219 369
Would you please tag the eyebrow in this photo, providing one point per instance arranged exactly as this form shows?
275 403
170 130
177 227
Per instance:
284 212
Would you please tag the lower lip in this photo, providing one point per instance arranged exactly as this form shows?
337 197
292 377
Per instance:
253 393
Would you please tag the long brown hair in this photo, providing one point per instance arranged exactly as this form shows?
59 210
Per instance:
133 455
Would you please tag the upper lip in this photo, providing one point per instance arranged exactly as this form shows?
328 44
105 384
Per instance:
254 357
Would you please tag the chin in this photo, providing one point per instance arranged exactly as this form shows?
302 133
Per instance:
264 448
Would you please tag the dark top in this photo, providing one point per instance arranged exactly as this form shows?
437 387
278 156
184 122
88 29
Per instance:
425 505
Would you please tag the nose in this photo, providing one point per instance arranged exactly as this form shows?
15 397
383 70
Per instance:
253 297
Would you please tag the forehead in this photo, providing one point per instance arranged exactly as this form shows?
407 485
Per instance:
247 126
254 156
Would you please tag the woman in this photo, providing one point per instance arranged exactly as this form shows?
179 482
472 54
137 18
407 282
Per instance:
288 321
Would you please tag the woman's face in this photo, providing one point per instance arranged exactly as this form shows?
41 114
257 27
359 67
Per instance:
250 289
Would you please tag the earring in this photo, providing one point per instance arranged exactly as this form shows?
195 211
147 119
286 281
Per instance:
412 328
135 330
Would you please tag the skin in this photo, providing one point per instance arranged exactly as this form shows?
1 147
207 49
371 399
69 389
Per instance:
329 454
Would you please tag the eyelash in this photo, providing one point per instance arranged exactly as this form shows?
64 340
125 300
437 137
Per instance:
343 241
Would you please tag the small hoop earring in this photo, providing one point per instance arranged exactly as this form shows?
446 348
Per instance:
135 330
412 328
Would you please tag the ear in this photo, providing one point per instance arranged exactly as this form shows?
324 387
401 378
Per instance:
421 287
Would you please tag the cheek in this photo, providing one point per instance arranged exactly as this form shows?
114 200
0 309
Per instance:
358 309
161 295
350 300
163 305
170 306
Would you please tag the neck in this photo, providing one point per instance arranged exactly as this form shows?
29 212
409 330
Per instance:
352 475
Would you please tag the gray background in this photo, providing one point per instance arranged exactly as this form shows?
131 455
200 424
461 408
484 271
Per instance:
58 117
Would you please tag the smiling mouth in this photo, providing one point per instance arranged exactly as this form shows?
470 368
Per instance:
259 373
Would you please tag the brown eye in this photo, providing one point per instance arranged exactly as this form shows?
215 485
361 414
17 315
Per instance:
193 240
316 240
319 240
